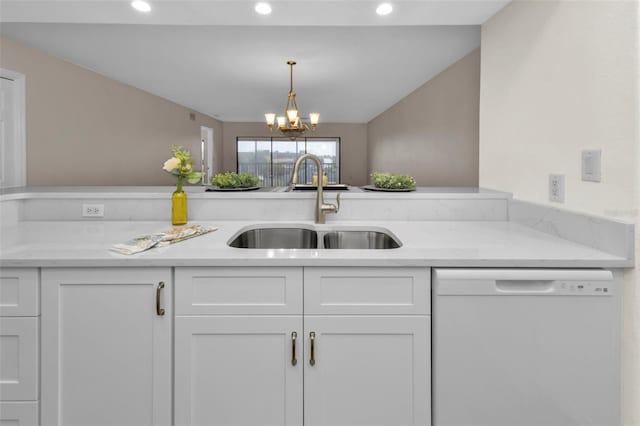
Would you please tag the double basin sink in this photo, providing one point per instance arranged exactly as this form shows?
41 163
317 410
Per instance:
303 237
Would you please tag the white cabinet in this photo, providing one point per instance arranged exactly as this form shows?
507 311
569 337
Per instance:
19 337
22 413
237 332
19 292
366 291
236 362
367 371
239 291
18 359
371 346
106 346
238 371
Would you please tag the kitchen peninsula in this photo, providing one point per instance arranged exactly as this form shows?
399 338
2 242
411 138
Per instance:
192 325
437 227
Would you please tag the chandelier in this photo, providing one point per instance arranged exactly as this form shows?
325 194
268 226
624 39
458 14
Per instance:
291 124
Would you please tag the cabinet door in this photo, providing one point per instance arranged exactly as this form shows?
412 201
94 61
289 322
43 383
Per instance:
233 371
106 353
368 371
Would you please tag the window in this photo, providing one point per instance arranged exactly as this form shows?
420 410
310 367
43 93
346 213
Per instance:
272 159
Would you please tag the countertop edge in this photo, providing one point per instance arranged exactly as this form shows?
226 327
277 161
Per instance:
444 263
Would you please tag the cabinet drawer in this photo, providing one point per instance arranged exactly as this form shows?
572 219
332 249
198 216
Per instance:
244 291
19 413
19 292
397 291
19 359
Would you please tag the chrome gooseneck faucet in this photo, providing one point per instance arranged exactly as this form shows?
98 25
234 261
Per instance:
321 208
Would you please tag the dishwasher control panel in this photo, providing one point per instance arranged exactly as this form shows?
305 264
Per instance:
594 288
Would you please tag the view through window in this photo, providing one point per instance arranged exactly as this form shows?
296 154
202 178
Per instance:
272 159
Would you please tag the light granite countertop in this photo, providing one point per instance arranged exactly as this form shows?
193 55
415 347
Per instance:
454 244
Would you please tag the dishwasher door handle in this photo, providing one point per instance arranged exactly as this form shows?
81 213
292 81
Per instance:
488 287
524 286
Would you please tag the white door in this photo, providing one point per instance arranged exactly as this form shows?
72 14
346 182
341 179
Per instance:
367 371
106 347
7 113
238 371
207 153
12 140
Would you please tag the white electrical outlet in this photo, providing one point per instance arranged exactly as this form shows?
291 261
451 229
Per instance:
93 210
556 188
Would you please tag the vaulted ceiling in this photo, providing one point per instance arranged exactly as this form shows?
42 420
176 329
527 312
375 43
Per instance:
222 59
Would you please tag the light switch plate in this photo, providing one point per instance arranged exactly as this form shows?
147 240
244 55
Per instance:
556 188
592 165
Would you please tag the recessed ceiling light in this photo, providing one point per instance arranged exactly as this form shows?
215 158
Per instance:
384 9
141 5
263 8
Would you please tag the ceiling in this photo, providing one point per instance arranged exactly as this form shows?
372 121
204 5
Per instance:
222 59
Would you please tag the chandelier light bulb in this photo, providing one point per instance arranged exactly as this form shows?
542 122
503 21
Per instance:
281 122
292 114
314 117
263 8
271 119
141 5
384 9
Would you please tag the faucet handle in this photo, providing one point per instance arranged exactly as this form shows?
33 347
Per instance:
338 202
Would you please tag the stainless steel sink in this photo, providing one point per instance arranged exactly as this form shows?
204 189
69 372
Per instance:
362 239
276 238
307 237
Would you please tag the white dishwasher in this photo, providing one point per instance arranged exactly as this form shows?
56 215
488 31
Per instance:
526 347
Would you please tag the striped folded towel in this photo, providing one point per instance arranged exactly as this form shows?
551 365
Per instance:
160 239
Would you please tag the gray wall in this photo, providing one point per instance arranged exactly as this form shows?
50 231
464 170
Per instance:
86 129
432 134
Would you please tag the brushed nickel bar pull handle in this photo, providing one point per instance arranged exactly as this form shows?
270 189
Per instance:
294 336
159 310
312 358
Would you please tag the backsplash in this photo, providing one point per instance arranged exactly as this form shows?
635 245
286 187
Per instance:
153 204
